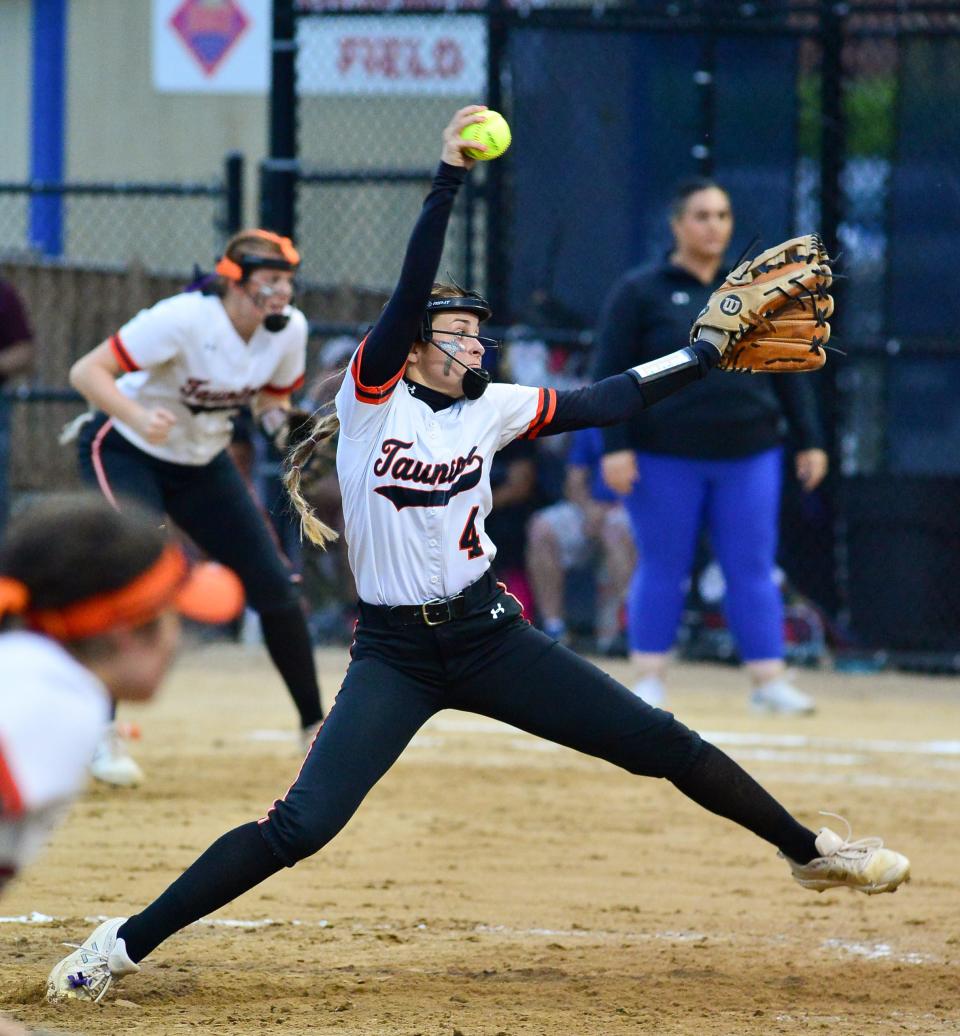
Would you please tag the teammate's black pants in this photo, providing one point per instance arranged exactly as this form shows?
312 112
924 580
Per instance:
490 662
213 505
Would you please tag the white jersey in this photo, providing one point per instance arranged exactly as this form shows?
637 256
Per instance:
53 712
184 354
416 484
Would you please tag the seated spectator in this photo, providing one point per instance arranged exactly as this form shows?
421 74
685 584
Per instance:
513 479
588 527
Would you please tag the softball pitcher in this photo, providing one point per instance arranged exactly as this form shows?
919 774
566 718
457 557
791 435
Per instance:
166 387
419 423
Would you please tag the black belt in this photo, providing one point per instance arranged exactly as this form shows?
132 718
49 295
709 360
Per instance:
436 612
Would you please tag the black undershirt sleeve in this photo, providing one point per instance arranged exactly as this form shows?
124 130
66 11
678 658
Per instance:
388 344
620 334
621 397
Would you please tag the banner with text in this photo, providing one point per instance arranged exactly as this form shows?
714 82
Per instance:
389 55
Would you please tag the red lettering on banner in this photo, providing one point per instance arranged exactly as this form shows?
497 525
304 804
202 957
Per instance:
389 58
396 58
417 69
347 51
448 58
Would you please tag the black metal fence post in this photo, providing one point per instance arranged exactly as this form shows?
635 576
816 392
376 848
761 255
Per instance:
832 151
278 182
233 182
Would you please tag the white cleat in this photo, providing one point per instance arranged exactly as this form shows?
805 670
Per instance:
112 764
652 690
86 973
780 696
864 865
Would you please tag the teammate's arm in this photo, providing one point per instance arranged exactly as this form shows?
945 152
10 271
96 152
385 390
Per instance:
387 346
284 424
16 359
272 413
95 375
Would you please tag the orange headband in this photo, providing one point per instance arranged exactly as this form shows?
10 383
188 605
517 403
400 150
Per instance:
137 603
233 270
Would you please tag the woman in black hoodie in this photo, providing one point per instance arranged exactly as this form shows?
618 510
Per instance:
711 455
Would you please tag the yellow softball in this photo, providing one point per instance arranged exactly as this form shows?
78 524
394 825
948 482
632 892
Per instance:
493 131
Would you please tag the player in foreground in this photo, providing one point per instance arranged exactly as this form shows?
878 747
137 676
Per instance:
418 426
166 387
89 602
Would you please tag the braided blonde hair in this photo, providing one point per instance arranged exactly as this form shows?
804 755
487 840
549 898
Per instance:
325 426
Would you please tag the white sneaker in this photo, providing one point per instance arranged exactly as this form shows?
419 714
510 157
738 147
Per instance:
782 697
112 764
864 865
86 973
307 734
652 690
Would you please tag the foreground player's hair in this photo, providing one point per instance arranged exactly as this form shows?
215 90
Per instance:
74 546
325 426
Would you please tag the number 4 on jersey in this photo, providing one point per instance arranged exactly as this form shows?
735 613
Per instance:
470 538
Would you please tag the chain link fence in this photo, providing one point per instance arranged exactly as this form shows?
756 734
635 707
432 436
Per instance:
373 95
161 227
84 257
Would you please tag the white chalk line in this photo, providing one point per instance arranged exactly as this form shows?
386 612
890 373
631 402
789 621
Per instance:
811 757
845 746
947 747
879 951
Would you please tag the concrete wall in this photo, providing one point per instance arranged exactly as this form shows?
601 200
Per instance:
120 128
14 89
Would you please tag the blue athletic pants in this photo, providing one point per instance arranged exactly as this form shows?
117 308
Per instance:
739 502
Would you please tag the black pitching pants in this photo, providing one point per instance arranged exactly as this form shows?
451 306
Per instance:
490 661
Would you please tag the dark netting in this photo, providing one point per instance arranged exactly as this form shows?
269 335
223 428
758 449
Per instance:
925 190
761 181
591 176
899 429
869 101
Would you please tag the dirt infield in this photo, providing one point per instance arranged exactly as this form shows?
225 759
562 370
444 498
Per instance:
493 884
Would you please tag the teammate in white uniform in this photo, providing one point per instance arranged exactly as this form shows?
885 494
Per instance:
87 599
91 593
167 386
418 425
